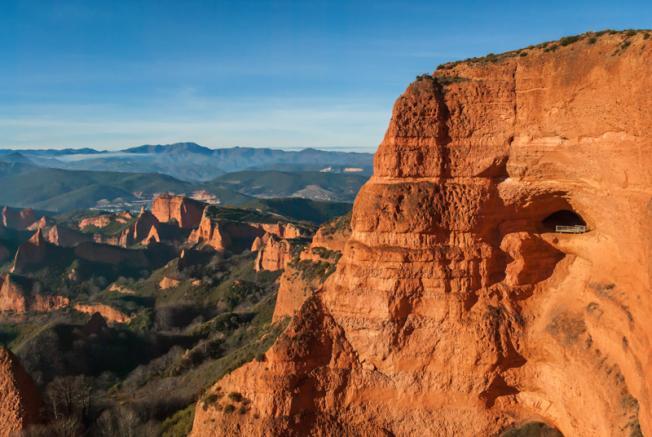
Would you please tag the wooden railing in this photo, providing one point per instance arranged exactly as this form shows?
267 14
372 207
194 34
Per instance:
575 229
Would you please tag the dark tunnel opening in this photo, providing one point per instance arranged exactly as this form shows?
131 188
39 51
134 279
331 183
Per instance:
565 221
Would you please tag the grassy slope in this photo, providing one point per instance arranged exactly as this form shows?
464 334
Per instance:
58 190
344 187
302 209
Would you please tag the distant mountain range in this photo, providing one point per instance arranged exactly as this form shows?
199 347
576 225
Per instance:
54 189
191 161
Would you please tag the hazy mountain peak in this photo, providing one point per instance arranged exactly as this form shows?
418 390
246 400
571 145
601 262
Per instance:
170 148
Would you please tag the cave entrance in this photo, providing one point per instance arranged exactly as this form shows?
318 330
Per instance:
566 222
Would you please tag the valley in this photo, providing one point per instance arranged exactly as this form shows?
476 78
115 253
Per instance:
119 307
316 219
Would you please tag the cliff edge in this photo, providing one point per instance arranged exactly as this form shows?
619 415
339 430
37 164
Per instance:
457 307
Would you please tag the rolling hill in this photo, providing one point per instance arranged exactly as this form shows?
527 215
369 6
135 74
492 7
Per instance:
59 190
340 187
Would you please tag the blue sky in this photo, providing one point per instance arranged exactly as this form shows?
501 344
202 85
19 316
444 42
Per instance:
286 74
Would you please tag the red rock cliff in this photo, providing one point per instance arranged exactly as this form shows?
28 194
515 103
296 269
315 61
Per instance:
225 234
20 295
274 253
19 400
187 212
454 309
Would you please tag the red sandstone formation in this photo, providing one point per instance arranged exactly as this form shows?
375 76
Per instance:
139 230
34 252
99 222
329 240
41 223
185 211
107 312
118 288
274 254
104 220
20 295
454 309
224 235
282 230
293 290
296 284
65 237
168 282
257 244
20 401
17 218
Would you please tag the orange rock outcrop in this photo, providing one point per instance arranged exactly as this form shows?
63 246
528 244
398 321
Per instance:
282 230
20 295
168 282
185 211
20 402
35 252
99 222
297 283
65 237
224 235
455 310
107 312
273 254
328 242
41 223
139 230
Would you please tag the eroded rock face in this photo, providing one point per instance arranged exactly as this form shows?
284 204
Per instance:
99 222
282 230
139 231
20 401
453 310
328 242
302 278
17 218
185 211
168 282
36 252
224 235
108 313
20 295
41 223
65 237
273 254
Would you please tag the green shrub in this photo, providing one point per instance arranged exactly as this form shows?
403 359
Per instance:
235 396
210 400
447 80
592 40
179 424
567 40
229 408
